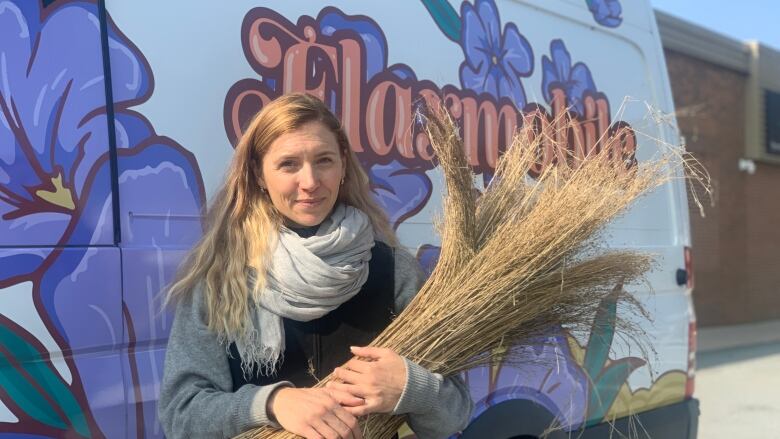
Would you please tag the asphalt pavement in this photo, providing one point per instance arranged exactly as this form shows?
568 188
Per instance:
739 392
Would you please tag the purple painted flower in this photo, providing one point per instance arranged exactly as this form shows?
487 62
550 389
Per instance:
332 20
401 190
428 256
494 61
548 375
55 189
53 122
606 12
51 126
558 72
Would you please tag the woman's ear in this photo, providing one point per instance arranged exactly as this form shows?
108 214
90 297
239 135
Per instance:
259 180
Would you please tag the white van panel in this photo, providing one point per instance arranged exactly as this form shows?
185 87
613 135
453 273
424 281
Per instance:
174 64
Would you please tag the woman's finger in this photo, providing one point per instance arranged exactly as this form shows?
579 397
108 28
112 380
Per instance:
339 425
368 352
359 365
310 432
352 389
348 376
350 421
362 410
324 427
343 397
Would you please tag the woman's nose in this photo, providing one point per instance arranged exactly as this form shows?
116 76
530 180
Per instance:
308 179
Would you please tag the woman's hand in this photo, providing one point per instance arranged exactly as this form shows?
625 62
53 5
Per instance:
316 413
378 376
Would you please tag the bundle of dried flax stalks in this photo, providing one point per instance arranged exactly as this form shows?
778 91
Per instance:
521 260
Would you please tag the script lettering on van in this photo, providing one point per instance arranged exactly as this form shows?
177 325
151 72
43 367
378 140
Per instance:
379 113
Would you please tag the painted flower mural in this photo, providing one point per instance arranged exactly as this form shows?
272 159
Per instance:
401 190
495 60
606 12
557 71
92 257
55 190
574 390
576 384
543 373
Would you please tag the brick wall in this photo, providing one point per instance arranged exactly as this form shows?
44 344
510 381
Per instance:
736 247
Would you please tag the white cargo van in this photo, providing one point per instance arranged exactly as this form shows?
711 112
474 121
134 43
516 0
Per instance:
116 123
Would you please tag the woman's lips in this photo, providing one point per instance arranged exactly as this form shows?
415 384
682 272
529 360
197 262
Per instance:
310 202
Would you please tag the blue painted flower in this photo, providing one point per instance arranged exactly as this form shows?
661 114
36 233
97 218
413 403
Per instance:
53 122
55 190
428 255
332 20
558 72
494 61
606 12
401 190
543 371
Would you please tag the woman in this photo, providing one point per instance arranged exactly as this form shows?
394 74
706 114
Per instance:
297 270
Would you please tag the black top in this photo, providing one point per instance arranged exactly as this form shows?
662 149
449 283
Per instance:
321 345
306 232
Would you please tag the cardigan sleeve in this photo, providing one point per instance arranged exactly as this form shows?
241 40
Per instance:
436 407
196 395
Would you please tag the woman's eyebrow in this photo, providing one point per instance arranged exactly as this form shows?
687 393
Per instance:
294 156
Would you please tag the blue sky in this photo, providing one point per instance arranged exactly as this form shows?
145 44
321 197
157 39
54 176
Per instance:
742 20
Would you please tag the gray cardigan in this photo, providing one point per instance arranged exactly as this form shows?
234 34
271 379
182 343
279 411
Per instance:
196 399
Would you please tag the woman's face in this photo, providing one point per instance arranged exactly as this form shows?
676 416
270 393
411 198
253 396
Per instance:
302 172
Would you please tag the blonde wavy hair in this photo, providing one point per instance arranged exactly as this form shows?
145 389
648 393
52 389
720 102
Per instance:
242 223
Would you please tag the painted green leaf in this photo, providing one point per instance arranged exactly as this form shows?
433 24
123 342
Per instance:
607 385
446 17
15 384
35 386
601 334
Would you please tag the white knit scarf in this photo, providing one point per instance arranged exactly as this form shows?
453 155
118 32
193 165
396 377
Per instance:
308 278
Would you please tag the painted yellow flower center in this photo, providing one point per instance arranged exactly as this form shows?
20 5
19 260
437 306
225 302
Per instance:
60 196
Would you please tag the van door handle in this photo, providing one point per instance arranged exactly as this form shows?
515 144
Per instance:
681 276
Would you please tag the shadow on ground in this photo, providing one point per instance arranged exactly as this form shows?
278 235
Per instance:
724 356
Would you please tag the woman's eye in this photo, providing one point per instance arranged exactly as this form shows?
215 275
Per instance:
326 160
287 164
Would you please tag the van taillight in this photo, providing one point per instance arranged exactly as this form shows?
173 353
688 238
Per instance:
688 266
691 373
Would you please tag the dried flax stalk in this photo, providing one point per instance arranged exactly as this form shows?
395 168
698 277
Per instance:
521 260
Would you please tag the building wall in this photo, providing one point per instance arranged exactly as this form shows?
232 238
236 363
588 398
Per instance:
736 247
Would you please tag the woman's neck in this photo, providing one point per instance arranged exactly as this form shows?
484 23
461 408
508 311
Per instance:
305 231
